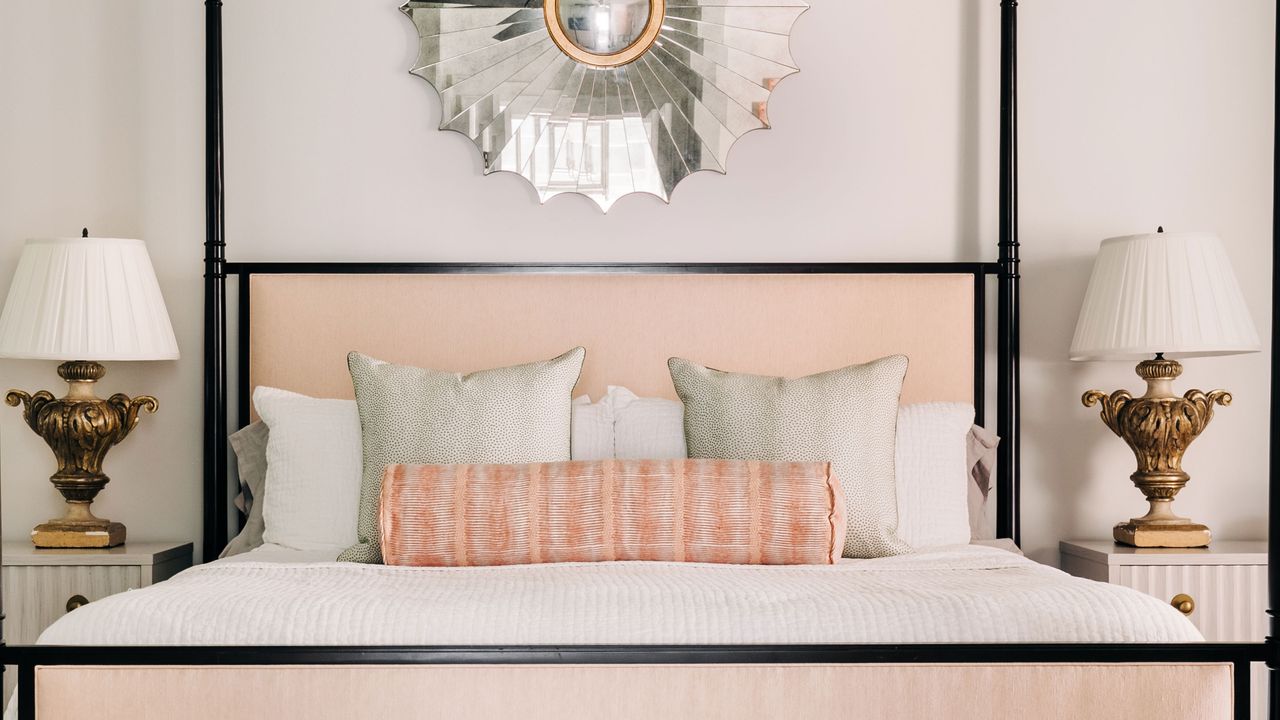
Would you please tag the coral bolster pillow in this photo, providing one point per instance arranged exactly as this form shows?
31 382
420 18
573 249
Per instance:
708 511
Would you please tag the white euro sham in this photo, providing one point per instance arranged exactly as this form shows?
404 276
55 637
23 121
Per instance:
933 474
312 490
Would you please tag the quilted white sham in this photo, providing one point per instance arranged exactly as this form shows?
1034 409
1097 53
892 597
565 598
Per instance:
312 488
933 474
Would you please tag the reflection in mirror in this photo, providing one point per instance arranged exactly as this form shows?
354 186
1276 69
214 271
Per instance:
604 98
604 27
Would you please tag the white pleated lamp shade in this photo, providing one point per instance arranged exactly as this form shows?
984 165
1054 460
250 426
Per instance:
1171 293
94 299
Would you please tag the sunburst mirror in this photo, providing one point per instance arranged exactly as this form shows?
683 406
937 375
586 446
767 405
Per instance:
604 98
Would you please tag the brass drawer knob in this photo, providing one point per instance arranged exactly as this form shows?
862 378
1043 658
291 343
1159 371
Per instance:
76 601
1185 604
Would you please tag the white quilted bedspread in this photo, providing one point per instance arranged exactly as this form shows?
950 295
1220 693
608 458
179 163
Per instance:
961 594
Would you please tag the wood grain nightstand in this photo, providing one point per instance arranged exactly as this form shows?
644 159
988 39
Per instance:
1222 588
41 586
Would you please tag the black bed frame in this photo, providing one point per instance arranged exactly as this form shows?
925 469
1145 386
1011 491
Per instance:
217 506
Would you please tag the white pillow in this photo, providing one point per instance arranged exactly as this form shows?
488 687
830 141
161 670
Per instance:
933 474
646 428
591 429
311 498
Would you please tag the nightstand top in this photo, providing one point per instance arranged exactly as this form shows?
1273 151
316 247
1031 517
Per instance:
133 553
1222 552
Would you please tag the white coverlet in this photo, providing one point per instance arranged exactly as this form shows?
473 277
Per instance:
956 594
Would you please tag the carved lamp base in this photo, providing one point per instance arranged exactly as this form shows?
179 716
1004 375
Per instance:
80 428
1158 427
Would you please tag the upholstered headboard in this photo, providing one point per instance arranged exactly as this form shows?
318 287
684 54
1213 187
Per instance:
301 326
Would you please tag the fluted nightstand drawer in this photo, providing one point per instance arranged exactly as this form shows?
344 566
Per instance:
1230 600
35 596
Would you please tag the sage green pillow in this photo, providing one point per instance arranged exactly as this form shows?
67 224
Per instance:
412 415
848 417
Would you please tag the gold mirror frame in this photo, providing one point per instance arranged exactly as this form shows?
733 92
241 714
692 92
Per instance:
569 121
626 56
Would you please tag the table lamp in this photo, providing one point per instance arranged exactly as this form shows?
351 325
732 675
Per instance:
81 301
1156 298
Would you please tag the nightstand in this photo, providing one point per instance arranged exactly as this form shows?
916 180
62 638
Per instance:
41 586
1222 589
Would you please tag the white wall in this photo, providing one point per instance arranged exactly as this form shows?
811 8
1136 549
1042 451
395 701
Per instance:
1135 114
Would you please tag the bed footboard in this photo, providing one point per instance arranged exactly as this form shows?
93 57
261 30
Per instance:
1200 691
1163 682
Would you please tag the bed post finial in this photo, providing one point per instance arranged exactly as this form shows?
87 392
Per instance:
215 296
1008 399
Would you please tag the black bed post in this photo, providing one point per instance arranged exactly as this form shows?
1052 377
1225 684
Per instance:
215 297
1008 398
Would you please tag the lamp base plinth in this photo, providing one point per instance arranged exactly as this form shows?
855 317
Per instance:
1184 535
63 534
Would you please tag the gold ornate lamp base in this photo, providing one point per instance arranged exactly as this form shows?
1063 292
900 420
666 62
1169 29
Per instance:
80 428
1158 427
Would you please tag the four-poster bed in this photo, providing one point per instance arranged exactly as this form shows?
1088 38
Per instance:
46 673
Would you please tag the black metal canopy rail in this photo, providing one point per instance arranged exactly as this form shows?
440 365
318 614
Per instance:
1006 272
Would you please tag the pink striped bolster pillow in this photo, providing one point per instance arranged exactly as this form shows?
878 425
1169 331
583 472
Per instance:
708 511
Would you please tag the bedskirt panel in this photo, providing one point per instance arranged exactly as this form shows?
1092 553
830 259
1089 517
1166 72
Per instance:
1182 691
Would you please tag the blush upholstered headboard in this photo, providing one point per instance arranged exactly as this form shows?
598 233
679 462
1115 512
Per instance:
301 327
296 322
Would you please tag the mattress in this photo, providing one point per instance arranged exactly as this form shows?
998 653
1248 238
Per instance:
958 594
